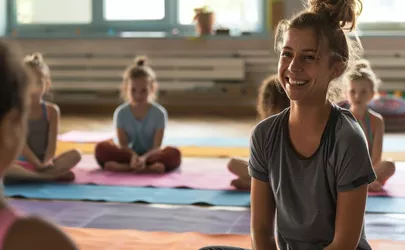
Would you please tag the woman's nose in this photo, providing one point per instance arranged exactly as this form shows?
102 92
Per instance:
295 65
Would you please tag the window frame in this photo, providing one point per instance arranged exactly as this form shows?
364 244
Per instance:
100 27
382 27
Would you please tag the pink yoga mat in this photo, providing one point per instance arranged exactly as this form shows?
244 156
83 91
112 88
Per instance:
395 186
196 173
85 136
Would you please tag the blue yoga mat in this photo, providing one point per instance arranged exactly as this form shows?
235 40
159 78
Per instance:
392 142
385 205
52 191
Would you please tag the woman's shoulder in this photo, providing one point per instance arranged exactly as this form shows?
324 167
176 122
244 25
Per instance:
348 130
271 125
37 234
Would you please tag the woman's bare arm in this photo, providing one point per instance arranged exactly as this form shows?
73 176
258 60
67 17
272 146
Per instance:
350 211
263 211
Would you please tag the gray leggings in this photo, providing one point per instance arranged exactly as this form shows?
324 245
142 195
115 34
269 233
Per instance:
222 248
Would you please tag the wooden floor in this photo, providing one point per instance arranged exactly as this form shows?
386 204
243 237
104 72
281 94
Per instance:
184 126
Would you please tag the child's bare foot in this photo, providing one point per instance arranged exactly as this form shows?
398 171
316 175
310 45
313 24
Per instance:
157 167
241 184
375 187
68 177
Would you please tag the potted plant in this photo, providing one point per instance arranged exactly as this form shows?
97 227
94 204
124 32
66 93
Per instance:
204 19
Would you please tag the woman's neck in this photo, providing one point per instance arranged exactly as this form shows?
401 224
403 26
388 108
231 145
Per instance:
311 116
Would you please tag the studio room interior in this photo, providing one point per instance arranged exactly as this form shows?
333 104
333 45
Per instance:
266 124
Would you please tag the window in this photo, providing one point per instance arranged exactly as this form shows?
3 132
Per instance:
243 15
124 10
54 11
39 18
382 11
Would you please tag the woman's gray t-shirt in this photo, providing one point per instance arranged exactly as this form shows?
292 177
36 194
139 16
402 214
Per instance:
306 189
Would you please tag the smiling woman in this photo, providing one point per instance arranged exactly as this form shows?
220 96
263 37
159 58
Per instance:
316 182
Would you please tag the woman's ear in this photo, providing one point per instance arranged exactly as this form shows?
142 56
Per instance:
338 69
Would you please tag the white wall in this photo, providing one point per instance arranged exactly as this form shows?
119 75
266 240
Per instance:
3 17
292 7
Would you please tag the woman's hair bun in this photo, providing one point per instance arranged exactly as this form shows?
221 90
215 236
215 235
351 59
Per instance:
140 61
342 13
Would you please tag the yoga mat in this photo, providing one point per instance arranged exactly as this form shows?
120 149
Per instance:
385 226
395 186
189 151
197 173
95 239
385 205
85 136
51 191
60 191
138 216
393 148
392 142
176 218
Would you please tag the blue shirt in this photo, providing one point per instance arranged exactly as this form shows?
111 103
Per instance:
140 133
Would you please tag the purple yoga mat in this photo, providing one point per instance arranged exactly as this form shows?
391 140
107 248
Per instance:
176 219
196 173
138 216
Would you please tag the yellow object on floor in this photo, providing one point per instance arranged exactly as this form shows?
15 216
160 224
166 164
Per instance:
188 151
194 151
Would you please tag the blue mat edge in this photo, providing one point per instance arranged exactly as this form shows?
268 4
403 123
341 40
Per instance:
151 195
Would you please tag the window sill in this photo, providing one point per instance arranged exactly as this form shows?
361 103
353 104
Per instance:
146 35
381 33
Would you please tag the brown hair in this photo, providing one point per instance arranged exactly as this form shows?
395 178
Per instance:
14 80
271 98
139 69
329 19
363 70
